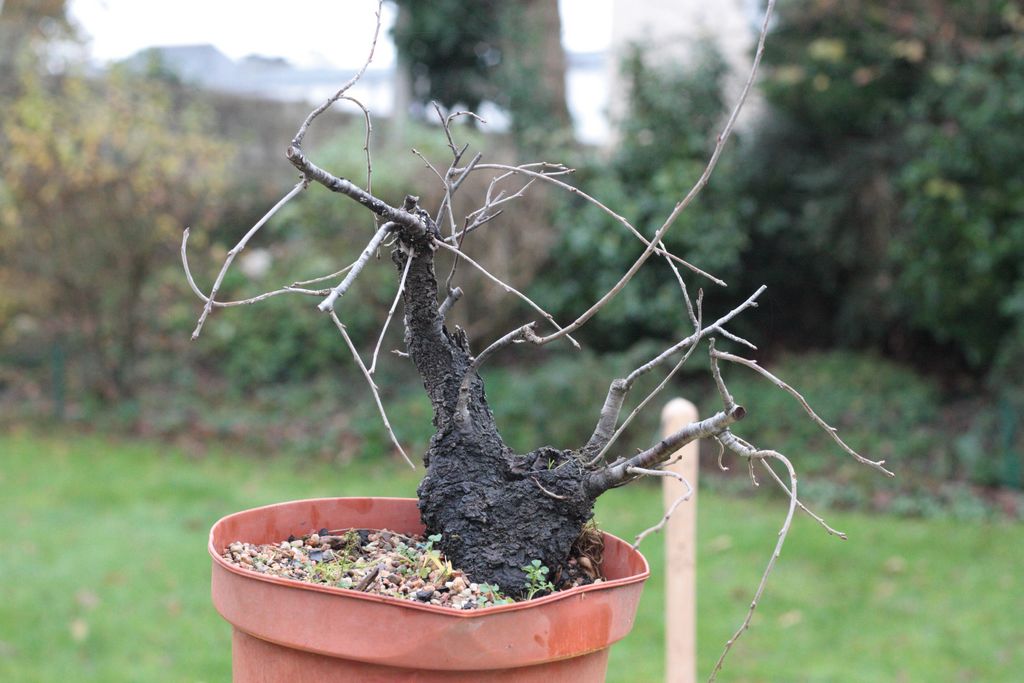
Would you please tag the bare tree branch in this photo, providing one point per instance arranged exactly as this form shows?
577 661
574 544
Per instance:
831 431
370 382
507 287
449 301
745 450
235 251
357 267
391 312
671 508
345 187
619 388
519 334
599 433
297 140
690 196
617 473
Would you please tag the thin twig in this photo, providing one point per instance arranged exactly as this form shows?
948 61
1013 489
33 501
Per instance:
751 302
547 493
329 276
391 312
297 140
721 453
819 520
671 508
237 249
739 340
357 267
716 372
507 287
288 289
366 150
831 431
369 381
744 449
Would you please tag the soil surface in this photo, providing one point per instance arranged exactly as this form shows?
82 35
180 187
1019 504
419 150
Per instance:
388 563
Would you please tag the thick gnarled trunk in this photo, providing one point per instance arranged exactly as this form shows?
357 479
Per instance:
496 510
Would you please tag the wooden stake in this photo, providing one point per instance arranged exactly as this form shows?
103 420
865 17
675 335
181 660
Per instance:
681 552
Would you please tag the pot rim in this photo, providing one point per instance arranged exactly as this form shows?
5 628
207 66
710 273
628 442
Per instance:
384 599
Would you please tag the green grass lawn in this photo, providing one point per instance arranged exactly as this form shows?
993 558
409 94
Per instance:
104 574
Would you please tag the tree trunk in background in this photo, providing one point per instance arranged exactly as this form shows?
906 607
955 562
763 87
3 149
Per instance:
543 54
535 67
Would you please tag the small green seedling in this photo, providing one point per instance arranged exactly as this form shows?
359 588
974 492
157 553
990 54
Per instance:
491 595
537 579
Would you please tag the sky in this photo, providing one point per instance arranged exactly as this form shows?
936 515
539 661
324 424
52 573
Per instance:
305 32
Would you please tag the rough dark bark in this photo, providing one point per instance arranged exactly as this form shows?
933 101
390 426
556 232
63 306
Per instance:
496 510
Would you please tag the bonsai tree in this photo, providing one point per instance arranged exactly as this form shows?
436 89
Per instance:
497 511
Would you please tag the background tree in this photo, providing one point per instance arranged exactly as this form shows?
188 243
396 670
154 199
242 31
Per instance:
892 166
463 53
98 174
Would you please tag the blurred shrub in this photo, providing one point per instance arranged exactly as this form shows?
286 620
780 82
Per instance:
99 175
963 210
879 196
666 137
887 178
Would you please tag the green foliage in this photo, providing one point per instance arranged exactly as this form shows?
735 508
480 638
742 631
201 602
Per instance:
99 176
886 180
964 203
537 579
667 135
463 52
452 48
491 595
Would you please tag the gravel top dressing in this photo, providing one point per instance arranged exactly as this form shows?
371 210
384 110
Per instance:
389 563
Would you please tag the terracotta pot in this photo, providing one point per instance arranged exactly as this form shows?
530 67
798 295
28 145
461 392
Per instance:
286 630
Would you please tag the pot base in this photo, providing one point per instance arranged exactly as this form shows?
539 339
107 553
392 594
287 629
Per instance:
257 661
